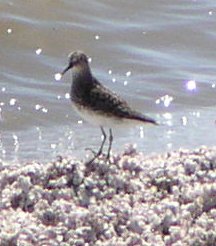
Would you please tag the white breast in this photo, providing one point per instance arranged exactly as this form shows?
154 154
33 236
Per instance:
99 119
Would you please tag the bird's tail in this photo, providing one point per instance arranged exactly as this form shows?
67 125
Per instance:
143 118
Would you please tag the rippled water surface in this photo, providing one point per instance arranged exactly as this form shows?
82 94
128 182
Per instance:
159 55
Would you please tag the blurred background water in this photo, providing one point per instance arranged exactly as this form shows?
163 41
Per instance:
159 55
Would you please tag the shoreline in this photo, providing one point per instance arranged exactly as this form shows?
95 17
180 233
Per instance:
162 199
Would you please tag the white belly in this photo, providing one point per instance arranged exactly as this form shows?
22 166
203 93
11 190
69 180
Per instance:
99 119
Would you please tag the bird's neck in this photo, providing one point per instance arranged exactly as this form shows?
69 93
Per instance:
81 74
82 82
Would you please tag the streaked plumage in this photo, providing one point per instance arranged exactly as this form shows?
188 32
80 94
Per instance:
96 103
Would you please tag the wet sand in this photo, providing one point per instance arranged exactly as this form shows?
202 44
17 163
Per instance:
167 199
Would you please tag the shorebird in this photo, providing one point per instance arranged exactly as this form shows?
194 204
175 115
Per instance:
96 103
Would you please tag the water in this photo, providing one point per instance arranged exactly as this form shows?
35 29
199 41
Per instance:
146 51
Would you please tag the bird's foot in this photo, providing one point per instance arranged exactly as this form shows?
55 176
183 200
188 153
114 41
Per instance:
98 154
92 151
108 157
95 154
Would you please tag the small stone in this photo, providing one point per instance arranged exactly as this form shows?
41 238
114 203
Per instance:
49 218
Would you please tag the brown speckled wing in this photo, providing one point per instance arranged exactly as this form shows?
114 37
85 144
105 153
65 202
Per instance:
94 96
104 100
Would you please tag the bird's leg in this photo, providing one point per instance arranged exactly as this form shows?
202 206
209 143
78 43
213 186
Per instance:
96 154
103 141
90 165
110 143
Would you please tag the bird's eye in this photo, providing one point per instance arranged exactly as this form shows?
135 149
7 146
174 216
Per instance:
74 60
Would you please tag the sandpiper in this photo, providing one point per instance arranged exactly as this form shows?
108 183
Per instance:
96 103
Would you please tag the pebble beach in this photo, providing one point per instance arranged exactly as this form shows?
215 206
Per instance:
135 199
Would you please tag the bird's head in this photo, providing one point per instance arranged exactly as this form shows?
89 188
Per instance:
76 58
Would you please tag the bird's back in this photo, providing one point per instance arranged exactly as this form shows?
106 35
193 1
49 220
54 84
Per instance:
98 98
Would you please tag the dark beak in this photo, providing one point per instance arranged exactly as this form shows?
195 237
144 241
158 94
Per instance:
66 69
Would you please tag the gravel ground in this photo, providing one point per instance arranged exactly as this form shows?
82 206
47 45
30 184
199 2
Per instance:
167 199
